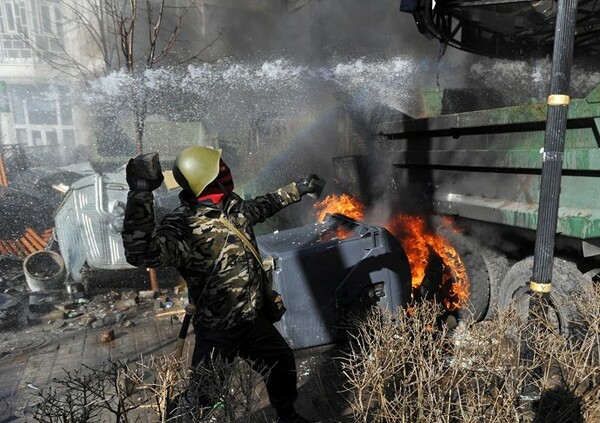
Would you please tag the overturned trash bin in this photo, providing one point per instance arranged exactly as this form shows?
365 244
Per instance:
44 271
328 271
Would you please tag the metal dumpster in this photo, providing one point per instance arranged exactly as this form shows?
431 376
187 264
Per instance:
90 219
328 271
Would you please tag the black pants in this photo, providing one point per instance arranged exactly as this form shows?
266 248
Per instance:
266 350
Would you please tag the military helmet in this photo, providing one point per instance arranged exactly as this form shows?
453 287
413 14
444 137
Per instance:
196 167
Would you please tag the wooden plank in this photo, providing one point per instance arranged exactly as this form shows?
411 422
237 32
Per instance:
36 240
47 235
3 249
27 246
3 178
23 250
13 247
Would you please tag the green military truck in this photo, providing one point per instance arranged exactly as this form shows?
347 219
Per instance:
483 169
481 165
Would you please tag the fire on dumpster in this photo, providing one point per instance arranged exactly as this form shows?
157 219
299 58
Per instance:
421 246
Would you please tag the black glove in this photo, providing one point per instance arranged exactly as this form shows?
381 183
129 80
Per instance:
312 185
143 172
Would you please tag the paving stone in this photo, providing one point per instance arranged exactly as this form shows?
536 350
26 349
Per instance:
26 367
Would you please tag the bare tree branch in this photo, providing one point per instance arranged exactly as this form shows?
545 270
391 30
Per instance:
197 55
110 29
175 34
96 29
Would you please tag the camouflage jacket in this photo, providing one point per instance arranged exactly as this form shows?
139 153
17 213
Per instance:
222 275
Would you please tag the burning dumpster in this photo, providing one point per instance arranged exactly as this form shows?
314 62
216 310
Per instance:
445 265
331 270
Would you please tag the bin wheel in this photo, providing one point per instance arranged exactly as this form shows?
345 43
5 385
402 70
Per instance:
567 280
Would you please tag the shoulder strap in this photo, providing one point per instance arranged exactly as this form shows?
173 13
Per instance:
244 239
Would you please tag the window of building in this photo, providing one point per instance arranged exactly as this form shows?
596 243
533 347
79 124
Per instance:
40 21
42 111
22 136
49 18
10 17
51 137
45 19
18 108
36 138
66 113
13 26
68 137
42 115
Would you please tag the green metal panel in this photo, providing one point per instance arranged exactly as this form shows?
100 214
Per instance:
486 164
580 221
575 159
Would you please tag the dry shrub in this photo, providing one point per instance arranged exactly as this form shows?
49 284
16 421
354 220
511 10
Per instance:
150 389
408 367
164 377
111 392
222 391
397 367
569 368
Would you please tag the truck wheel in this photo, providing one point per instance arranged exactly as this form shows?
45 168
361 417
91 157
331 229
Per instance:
496 264
566 281
485 268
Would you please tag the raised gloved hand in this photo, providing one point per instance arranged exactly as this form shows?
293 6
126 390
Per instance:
143 172
311 185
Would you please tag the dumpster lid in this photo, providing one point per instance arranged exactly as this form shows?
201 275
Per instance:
335 228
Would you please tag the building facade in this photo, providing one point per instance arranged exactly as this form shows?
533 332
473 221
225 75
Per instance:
35 107
47 49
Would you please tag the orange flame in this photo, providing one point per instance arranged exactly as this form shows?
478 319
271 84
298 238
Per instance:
343 204
419 243
410 230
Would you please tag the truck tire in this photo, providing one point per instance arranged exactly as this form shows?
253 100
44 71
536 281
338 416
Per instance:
497 265
485 268
566 281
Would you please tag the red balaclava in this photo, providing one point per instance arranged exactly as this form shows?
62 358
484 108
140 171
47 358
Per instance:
217 189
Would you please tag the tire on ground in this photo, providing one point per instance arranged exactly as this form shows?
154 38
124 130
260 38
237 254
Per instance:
567 281
485 268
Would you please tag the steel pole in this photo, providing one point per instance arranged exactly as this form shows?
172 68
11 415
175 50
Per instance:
554 146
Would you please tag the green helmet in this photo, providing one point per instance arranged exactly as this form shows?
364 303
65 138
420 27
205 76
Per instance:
196 167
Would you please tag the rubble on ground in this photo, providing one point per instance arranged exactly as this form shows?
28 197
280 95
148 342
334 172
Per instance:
71 309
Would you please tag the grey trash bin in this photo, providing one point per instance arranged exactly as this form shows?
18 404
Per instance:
327 270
